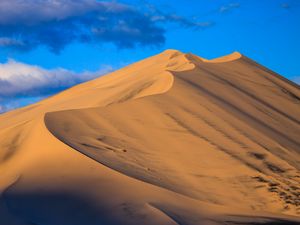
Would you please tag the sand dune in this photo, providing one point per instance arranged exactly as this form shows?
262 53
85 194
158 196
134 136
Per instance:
173 139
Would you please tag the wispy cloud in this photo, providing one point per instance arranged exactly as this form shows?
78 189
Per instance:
4 108
4 41
25 25
174 18
158 15
285 5
19 80
296 79
229 7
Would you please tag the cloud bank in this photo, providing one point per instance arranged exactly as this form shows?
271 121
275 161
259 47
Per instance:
26 24
19 81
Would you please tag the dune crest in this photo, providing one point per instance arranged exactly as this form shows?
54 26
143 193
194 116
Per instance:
172 139
223 59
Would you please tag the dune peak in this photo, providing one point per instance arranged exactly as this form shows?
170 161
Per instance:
171 51
223 59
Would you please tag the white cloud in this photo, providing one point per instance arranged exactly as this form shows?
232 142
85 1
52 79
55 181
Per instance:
19 80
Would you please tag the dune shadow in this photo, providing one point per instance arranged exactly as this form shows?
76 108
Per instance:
55 208
249 220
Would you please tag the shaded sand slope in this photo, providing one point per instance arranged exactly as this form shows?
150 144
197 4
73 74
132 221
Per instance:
173 139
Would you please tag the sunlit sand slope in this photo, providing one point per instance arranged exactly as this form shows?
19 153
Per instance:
173 139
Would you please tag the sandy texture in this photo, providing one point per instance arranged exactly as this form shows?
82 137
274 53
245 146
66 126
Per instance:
173 139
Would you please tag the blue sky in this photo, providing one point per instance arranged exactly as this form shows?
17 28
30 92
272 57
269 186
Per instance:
47 46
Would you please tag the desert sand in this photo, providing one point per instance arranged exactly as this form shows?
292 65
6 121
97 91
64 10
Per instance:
174 139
